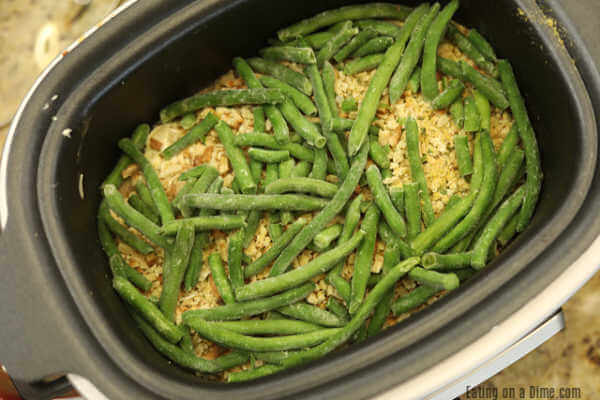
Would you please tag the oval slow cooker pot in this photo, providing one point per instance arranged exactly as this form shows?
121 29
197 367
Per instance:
59 313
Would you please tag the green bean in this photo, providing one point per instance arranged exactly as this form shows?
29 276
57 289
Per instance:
391 258
302 185
278 245
397 197
412 206
349 104
265 140
256 168
481 44
283 73
220 279
132 217
259 118
509 231
472 121
192 173
285 171
197 133
463 155
330 17
234 259
450 68
494 227
483 106
301 169
363 64
206 223
373 298
186 342
312 314
413 300
271 174
411 55
379 82
337 308
533 183
487 86
508 177
301 125
449 95
268 156
351 220
147 310
414 83
471 51
302 55
188 120
236 158
144 193
186 189
341 285
221 98
176 262
321 219
464 274
275 229
187 359
379 27
374 46
458 113
336 43
364 258
328 74
341 125
117 264
136 202
443 262
278 327
357 41
319 169
325 114
156 189
436 280
323 239
253 373
429 84
302 101
416 169
480 205
316 40
383 201
192 273
319 265
508 145
139 136
279 125
122 232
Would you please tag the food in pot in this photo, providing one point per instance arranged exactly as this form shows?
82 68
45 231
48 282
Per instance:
372 159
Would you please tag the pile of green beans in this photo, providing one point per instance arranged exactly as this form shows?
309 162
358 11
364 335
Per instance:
313 171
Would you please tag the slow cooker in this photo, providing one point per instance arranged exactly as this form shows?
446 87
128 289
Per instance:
61 322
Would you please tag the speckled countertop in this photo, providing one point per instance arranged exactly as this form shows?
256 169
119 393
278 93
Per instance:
32 32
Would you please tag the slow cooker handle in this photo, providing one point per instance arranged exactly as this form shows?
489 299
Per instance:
43 390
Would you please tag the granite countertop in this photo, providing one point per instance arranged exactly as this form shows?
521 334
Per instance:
32 32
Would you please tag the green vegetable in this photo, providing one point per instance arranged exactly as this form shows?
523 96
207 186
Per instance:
357 41
221 98
436 280
444 262
379 82
416 169
463 155
411 55
363 63
330 17
413 300
346 33
312 314
383 201
471 51
319 265
449 96
412 207
175 264
376 45
364 258
283 73
205 223
302 185
472 121
482 45
147 310
138 138
302 55
323 239
429 84
533 183
487 86
268 156
302 101
122 232
236 158
198 132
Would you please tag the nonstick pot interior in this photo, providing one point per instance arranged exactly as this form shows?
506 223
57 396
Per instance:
154 53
